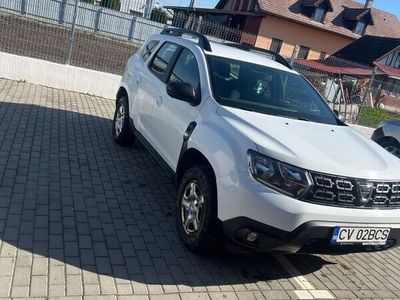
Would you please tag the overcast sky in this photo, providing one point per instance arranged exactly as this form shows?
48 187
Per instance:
392 6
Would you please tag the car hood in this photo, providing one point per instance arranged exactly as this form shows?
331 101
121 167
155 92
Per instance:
330 149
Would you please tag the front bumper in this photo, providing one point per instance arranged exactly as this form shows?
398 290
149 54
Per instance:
310 237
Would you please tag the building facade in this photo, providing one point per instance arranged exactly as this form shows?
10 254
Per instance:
319 27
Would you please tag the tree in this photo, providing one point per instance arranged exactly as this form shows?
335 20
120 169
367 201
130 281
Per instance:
159 15
113 4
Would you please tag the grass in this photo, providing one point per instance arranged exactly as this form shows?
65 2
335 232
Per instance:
371 117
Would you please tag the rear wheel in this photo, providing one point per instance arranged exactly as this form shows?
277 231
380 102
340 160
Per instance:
122 133
391 146
196 211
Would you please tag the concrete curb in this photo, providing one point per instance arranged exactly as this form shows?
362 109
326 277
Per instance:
58 76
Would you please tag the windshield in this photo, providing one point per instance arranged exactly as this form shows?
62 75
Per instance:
266 90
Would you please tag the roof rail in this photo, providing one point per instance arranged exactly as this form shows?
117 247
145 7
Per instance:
202 39
269 54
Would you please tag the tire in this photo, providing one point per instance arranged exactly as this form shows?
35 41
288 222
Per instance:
391 146
197 182
121 131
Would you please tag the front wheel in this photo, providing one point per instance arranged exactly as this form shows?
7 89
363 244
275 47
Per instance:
122 133
196 211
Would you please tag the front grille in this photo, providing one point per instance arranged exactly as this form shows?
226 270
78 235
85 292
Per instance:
351 192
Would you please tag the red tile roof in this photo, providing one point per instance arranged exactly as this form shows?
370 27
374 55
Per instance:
319 66
385 24
391 72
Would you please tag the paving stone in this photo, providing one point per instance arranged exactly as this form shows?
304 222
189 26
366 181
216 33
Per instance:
7 266
82 216
223 295
56 290
91 289
22 276
5 286
165 297
195 296
38 286
74 285
278 294
20 292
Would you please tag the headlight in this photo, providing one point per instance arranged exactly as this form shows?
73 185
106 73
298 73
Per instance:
284 178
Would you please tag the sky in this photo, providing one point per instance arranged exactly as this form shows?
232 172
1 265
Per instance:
392 6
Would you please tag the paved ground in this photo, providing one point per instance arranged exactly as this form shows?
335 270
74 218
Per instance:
80 216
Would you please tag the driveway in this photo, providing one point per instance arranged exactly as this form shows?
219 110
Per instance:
81 216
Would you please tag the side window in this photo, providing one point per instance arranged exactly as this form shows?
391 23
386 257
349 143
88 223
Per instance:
186 70
163 58
148 49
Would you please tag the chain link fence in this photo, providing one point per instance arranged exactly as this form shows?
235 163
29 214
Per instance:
103 34
90 34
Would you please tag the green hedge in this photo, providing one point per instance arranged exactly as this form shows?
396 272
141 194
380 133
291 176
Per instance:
371 117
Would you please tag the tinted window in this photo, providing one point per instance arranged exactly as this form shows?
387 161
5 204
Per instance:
319 15
148 49
276 45
186 70
266 90
359 29
303 52
163 58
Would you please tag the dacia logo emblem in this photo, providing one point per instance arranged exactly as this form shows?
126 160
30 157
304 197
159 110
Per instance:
366 189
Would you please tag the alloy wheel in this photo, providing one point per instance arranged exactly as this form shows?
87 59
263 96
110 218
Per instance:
119 120
192 208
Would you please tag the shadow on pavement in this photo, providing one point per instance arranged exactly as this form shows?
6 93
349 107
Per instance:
69 193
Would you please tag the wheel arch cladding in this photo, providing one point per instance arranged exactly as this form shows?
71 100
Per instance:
121 92
192 157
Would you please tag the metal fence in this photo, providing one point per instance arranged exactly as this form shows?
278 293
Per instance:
106 18
100 38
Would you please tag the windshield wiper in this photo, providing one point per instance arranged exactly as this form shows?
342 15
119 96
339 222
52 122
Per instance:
296 118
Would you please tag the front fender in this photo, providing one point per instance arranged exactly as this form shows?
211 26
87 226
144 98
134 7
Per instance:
223 146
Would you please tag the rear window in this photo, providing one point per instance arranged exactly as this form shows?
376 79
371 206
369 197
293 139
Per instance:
148 49
163 58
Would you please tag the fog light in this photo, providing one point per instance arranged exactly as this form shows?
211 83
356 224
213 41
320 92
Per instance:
252 236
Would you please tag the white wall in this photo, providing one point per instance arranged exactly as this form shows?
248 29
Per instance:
392 58
58 76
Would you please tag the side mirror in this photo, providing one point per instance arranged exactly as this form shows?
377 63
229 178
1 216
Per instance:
340 116
183 91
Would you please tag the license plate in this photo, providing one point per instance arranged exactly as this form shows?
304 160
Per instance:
360 235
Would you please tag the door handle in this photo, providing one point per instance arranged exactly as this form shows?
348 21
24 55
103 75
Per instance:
159 101
138 81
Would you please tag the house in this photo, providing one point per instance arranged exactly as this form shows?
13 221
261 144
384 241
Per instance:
140 8
319 27
384 54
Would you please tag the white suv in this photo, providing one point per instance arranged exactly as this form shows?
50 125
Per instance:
254 149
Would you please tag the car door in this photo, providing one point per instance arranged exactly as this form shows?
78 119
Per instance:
133 77
171 116
152 88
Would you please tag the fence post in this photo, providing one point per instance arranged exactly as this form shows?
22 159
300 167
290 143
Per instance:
72 35
371 81
294 55
132 28
99 12
374 71
148 8
23 7
61 14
